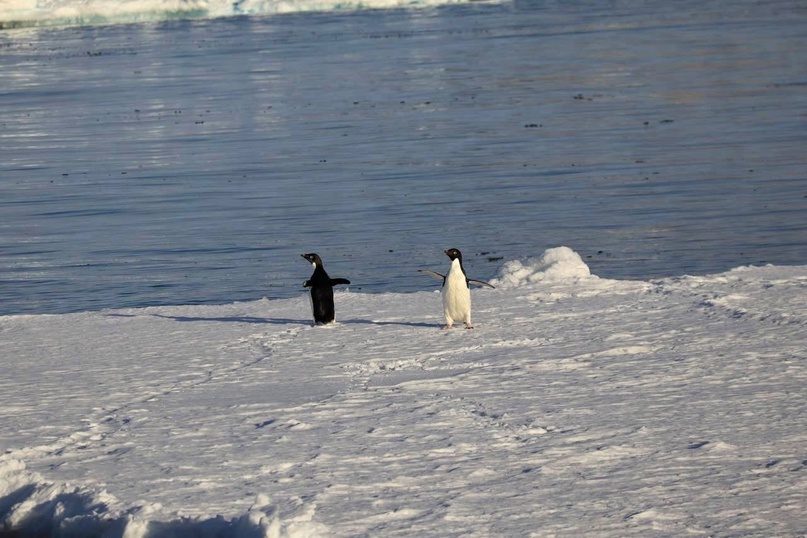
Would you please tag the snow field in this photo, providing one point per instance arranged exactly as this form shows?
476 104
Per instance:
577 406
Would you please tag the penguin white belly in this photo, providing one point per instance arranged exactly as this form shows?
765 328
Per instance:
456 298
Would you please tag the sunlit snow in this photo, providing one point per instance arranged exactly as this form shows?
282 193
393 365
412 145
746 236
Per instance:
578 406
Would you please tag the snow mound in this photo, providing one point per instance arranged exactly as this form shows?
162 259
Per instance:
560 263
31 506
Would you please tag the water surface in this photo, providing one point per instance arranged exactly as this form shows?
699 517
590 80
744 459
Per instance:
185 162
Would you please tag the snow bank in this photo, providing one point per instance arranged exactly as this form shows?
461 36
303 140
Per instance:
561 263
32 506
24 13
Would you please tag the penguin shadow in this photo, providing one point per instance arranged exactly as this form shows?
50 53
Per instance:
239 319
382 323
290 321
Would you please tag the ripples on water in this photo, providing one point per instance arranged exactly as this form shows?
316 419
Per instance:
192 162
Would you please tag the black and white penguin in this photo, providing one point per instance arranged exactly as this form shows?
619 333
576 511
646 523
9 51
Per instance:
456 290
321 290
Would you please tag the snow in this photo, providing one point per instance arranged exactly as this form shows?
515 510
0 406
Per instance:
561 263
21 13
578 406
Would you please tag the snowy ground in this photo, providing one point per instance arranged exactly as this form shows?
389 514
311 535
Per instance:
578 406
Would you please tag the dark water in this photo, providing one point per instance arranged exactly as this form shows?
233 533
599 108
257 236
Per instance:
193 162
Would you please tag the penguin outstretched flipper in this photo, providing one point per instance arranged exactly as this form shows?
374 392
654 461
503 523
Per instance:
456 290
321 290
433 274
441 276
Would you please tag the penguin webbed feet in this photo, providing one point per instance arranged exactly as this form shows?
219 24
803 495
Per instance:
447 327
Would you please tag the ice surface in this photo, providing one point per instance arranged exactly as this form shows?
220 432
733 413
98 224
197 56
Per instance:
24 13
578 406
560 263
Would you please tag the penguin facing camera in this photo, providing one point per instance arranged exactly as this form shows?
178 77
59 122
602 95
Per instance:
456 290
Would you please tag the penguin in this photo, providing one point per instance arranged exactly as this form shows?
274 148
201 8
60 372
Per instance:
321 290
456 290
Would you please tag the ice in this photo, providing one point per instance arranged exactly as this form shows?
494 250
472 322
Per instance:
560 263
578 405
22 13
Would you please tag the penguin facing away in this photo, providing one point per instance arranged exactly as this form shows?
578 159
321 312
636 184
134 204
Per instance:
456 290
321 290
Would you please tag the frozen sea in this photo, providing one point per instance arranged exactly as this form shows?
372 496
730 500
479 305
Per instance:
193 161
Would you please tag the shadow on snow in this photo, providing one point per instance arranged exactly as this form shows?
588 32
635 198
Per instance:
289 321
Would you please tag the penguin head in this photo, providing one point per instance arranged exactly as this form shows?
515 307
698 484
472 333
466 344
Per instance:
454 254
313 258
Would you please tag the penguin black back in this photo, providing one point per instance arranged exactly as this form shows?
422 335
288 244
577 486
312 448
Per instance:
322 290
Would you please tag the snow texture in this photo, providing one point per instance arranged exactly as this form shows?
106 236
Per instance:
21 13
561 263
579 406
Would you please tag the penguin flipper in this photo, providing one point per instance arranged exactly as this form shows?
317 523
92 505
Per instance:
307 284
335 281
481 283
433 274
